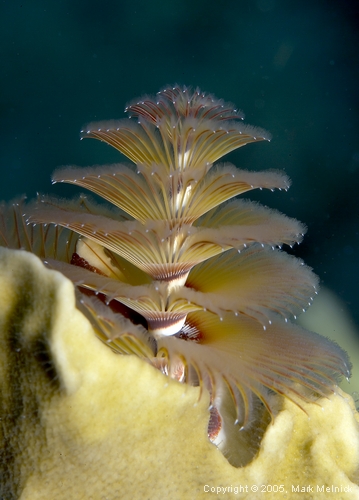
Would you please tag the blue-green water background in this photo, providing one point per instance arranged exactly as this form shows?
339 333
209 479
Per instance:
292 66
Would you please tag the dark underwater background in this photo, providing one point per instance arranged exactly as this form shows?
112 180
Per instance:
291 66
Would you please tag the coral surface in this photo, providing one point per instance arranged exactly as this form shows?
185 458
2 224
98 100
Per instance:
81 422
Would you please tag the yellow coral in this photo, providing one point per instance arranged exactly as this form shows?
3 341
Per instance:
82 422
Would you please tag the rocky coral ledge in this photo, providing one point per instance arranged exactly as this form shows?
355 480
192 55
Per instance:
79 421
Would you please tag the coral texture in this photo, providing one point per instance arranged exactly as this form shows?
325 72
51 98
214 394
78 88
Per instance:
80 422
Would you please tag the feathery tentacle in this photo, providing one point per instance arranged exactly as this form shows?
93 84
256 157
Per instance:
197 284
